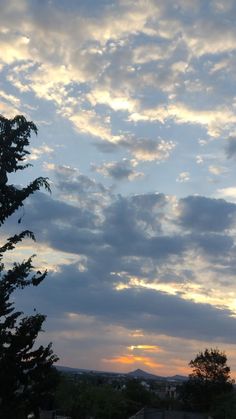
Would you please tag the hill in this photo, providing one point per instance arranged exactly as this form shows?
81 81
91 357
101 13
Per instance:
140 374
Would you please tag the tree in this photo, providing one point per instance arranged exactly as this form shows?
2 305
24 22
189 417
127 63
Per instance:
224 406
24 369
210 378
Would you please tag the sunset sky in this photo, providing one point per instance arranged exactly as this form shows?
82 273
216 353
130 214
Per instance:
135 102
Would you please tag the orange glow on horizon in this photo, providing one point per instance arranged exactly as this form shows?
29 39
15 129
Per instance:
132 359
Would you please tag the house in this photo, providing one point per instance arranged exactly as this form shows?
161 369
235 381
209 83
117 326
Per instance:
166 391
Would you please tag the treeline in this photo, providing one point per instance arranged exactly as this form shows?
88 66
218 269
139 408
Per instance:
86 397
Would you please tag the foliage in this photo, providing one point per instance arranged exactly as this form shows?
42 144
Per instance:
137 394
14 137
210 379
224 406
85 397
24 369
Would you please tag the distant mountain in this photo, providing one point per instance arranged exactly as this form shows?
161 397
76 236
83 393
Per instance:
143 374
72 370
133 374
148 376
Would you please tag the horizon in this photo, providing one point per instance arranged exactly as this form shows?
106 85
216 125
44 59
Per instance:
120 372
135 103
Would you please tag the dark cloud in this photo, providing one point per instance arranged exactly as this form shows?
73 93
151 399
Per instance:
45 215
231 147
136 308
126 227
129 235
105 146
206 214
135 216
118 170
71 181
42 212
149 201
142 149
120 237
213 244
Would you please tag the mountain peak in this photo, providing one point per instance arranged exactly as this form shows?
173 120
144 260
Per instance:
142 374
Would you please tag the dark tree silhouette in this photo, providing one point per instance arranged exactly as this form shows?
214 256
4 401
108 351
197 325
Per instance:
210 378
25 371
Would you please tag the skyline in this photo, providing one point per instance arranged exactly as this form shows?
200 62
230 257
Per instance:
135 106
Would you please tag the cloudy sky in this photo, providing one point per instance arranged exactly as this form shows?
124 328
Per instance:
135 104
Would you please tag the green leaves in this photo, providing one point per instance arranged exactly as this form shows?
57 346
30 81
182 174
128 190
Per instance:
210 366
14 139
23 368
210 379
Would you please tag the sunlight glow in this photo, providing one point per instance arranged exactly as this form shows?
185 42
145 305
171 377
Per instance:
131 359
146 348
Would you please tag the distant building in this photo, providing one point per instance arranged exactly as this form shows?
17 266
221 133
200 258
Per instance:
171 391
145 385
166 391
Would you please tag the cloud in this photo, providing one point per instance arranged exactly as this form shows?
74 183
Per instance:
14 47
117 101
144 81
100 226
42 209
138 60
183 177
214 244
227 193
213 119
7 110
123 246
134 308
119 170
231 147
11 99
9 104
148 149
128 263
37 153
152 52
139 235
216 170
199 159
89 122
206 214
210 37
70 180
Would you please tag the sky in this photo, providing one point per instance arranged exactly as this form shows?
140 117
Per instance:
135 104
